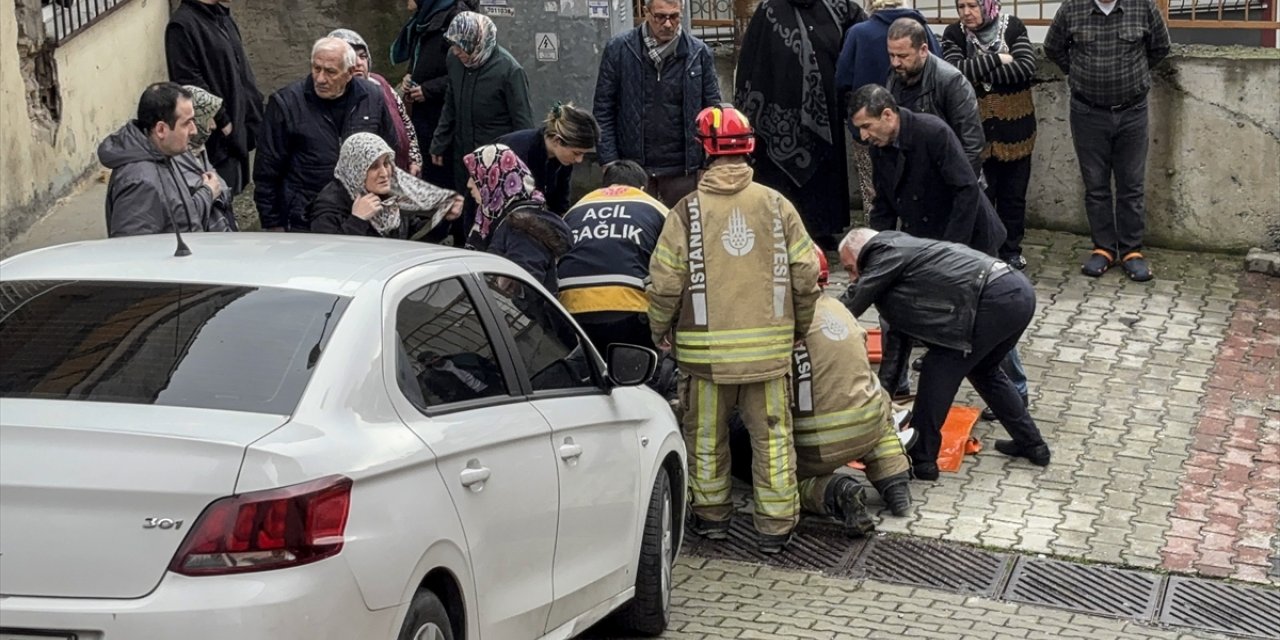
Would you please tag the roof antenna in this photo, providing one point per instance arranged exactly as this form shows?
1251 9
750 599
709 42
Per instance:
183 250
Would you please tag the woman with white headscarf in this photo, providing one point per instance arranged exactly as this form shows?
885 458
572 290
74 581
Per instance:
487 96
195 164
370 196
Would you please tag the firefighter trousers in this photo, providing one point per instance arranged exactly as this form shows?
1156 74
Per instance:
880 450
766 411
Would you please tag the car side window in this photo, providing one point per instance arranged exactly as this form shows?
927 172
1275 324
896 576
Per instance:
553 352
447 355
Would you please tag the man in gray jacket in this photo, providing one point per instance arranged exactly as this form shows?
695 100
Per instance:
149 192
925 83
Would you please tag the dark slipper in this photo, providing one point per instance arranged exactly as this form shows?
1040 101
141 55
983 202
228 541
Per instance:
1097 263
1135 266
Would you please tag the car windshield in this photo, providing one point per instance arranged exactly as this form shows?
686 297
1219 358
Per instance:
204 346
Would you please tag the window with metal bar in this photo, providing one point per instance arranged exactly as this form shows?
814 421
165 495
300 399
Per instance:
64 19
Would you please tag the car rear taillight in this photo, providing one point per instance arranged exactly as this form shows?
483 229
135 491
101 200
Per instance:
270 529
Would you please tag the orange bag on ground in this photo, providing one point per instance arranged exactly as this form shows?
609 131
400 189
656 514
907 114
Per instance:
874 349
956 441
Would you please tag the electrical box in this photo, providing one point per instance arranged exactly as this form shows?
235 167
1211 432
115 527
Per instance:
559 44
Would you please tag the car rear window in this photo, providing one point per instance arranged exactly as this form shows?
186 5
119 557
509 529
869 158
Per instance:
187 345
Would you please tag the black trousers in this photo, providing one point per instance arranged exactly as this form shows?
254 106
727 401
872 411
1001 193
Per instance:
1007 190
1005 308
895 356
1113 144
604 328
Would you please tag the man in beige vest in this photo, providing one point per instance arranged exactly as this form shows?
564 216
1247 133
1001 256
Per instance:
842 414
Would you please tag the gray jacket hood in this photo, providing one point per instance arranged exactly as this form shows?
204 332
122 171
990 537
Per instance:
128 144
151 193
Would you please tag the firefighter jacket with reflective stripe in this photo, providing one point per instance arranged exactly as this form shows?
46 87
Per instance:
734 279
614 230
840 408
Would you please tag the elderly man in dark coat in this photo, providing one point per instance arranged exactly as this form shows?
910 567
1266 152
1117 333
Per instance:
305 125
203 47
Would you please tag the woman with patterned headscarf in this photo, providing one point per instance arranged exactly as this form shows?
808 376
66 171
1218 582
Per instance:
370 196
487 96
994 52
192 166
786 88
512 219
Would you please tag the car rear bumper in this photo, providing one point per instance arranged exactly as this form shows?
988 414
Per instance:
319 600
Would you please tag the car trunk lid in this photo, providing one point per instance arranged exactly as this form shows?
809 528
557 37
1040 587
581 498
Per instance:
97 497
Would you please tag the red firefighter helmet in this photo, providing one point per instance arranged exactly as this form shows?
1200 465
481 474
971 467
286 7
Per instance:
824 268
724 131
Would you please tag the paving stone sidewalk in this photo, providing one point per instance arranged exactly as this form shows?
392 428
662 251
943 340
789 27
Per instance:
716 599
1161 402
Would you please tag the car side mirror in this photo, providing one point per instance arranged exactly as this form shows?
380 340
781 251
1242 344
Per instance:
630 365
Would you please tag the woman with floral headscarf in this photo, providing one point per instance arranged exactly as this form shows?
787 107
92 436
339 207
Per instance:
194 165
993 51
511 218
370 196
487 96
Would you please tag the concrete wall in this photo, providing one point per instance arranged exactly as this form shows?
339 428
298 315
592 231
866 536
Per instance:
100 74
1213 168
278 34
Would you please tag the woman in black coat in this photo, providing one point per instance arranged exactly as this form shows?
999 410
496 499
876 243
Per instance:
203 48
369 196
550 151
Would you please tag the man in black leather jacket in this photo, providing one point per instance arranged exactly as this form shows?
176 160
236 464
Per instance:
925 83
969 308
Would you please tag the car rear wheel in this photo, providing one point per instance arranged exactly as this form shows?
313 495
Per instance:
427 619
650 610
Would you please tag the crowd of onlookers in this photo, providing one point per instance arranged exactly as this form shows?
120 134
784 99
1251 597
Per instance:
944 131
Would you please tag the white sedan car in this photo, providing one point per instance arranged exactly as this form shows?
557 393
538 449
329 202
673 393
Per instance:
295 436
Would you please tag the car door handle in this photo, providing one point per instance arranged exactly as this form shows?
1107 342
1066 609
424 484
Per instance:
570 451
474 475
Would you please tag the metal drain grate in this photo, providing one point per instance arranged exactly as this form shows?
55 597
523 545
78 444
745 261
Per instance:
935 565
1222 607
1091 589
815 547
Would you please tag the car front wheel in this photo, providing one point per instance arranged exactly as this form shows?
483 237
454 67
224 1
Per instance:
427 619
650 610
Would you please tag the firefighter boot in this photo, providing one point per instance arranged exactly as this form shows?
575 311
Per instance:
846 499
896 492
770 544
709 529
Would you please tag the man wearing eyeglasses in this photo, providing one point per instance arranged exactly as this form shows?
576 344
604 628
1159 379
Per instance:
653 82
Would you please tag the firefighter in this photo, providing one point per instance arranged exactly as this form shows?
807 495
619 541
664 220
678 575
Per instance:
733 287
842 414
